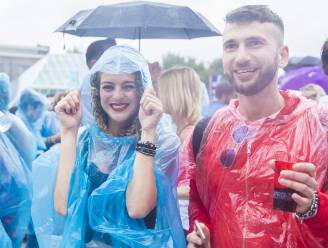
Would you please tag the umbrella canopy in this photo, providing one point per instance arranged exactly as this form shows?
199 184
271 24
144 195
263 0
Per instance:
296 79
299 62
140 20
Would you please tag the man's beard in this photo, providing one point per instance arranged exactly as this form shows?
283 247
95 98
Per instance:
263 80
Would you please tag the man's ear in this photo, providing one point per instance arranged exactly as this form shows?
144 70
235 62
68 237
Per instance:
283 56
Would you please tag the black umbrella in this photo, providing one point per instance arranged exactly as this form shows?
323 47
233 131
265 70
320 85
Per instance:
140 20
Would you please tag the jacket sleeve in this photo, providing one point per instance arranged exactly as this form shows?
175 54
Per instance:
319 223
196 209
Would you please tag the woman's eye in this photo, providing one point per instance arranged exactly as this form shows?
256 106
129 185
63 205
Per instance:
129 87
108 87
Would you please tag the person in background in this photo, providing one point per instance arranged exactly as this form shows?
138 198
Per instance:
324 56
16 155
224 92
179 91
313 92
204 100
32 109
232 188
17 131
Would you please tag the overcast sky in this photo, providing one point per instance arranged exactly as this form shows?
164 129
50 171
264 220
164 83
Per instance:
31 22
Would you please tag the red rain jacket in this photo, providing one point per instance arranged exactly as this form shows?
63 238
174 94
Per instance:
231 189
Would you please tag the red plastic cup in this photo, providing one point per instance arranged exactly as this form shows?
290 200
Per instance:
282 196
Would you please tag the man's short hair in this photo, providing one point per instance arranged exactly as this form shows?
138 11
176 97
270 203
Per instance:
97 48
254 13
324 56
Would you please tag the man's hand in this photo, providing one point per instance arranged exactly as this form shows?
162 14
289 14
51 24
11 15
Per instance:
302 180
194 239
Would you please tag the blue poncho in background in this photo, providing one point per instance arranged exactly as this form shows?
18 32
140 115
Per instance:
15 192
41 122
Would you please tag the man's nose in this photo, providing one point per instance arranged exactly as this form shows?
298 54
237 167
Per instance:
242 56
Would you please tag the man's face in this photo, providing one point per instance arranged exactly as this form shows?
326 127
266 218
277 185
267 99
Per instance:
252 54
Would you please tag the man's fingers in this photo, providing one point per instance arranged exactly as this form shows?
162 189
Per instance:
301 201
301 188
305 167
194 239
300 177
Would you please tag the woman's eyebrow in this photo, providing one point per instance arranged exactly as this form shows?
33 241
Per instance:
129 82
106 82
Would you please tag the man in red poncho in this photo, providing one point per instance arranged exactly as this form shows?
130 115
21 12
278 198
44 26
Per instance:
232 184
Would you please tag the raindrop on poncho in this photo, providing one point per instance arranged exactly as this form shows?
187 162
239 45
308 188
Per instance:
97 214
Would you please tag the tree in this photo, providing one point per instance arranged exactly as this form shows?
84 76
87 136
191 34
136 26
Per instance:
215 67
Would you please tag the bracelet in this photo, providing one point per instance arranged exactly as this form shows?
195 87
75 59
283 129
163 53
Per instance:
146 148
313 210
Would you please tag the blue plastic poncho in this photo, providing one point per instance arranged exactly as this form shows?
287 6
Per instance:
5 241
97 214
15 192
48 225
87 116
4 91
21 138
15 129
32 109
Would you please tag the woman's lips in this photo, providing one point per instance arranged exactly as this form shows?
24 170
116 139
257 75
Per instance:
119 107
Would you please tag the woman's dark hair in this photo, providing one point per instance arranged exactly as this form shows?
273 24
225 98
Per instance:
101 117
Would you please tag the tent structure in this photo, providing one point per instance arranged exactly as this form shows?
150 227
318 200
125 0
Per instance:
54 73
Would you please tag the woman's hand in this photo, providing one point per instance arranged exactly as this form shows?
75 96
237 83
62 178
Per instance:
69 111
151 110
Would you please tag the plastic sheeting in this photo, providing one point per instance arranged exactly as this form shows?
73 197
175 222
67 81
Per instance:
97 214
22 139
5 241
15 192
103 176
48 225
232 186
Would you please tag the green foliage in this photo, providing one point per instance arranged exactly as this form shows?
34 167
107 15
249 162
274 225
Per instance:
204 71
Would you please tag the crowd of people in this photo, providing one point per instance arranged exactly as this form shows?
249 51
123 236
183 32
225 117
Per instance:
138 157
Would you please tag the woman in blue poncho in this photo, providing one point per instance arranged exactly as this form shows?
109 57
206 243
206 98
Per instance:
116 181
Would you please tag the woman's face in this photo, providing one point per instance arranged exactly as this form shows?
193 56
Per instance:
34 111
119 97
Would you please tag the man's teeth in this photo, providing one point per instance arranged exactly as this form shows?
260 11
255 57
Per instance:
244 71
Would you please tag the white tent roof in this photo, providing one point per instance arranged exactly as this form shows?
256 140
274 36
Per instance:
55 71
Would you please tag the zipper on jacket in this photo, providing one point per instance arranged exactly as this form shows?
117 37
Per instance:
249 151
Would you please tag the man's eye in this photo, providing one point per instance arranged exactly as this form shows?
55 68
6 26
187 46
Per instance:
255 43
230 46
